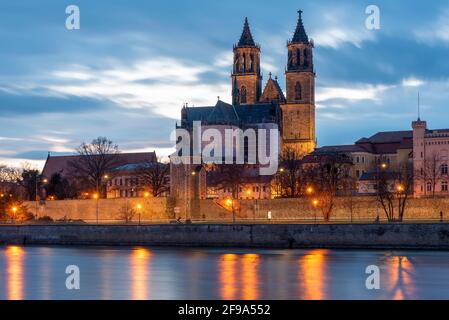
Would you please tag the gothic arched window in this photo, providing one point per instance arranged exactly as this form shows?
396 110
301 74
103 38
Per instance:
243 94
251 63
298 91
244 62
236 62
290 58
306 59
298 57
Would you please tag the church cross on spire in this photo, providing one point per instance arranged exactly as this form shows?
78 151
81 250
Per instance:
246 40
300 35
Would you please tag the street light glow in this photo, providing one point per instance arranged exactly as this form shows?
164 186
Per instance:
146 194
309 190
139 206
95 196
315 202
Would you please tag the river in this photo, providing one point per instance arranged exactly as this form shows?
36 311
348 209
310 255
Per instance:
36 272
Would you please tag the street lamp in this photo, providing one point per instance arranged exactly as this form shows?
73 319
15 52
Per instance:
44 181
96 205
315 205
146 194
139 207
309 190
14 210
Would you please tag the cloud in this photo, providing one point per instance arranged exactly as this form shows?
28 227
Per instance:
335 37
160 84
338 27
412 82
359 93
436 31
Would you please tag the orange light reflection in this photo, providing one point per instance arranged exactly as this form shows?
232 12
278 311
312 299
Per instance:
140 273
15 257
228 278
312 274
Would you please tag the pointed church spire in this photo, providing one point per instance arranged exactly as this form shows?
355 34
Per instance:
300 35
246 40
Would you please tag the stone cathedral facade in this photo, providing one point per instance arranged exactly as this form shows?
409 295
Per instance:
257 105
296 109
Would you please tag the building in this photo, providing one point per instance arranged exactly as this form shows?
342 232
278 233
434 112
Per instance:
256 106
131 180
62 165
430 160
389 150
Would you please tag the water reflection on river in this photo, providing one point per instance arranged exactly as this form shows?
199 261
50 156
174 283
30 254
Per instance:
180 273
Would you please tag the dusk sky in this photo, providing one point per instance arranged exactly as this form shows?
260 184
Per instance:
127 72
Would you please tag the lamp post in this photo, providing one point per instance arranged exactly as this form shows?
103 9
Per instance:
309 192
315 205
96 205
37 191
14 211
139 208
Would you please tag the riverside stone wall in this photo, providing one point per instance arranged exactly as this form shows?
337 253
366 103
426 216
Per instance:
157 209
398 236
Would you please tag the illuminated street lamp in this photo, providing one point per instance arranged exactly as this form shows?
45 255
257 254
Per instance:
14 211
96 200
146 194
281 170
44 181
383 166
400 188
315 205
139 208
309 190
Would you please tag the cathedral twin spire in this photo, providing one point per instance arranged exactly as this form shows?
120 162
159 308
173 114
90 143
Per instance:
246 40
246 75
300 35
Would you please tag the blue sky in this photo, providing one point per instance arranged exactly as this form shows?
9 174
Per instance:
127 72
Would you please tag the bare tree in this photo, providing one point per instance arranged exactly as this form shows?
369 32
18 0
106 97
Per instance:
328 175
95 160
155 176
394 187
126 213
288 180
430 173
229 177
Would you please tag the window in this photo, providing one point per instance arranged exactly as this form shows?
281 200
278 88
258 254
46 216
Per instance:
298 91
243 94
429 186
358 159
444 186
444 169
357 173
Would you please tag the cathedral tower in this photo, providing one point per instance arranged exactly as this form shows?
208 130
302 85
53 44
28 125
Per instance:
246 78
298 113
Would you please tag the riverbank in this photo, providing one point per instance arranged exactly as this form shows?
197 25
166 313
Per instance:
375 236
